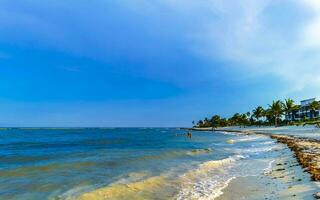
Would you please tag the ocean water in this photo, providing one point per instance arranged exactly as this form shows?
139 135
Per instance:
127 163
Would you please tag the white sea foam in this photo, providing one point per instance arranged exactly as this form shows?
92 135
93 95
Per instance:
228 133
205 190
269 167
248 138
255 150
267 143
208 180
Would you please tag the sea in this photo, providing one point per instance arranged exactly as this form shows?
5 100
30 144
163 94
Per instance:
127 163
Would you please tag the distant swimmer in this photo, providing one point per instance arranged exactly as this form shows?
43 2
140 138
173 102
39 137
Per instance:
189 135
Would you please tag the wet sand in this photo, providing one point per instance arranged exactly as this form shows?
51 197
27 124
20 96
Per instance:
286 180
307 152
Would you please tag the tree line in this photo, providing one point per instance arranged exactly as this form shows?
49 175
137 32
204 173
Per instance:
272 115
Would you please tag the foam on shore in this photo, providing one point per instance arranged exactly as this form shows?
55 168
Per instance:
282 179
207 180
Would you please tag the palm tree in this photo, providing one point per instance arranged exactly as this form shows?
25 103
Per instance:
276 110
248 114
200 123
215 121
268 115
258 112
314 106
244 119
295 110
235 119
288 106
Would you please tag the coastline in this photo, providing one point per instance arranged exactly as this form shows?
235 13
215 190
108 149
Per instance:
164 164
306 152
284 180
202 178
284 177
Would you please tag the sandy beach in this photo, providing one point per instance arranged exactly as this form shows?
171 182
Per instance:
286 180
294 175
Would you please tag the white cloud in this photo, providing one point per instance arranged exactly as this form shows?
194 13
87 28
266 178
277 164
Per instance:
246 33
312 4
311 32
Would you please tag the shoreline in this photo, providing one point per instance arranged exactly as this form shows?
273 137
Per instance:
306 150
284 180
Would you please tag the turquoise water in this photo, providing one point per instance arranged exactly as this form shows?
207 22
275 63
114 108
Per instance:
160 163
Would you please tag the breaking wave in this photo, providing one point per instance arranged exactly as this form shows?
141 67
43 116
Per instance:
208 181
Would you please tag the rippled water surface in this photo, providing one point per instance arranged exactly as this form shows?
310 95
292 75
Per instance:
115 163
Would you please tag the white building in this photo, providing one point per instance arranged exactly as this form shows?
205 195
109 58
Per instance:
303 111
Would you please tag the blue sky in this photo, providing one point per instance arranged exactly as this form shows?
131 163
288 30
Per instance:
152 63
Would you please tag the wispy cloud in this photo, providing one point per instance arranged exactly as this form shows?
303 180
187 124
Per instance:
311 32
197 55
260 41
280 38
258 37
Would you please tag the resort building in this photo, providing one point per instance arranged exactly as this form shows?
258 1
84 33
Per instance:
303 111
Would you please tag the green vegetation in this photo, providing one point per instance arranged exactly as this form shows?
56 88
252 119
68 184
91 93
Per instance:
313 107
272 115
